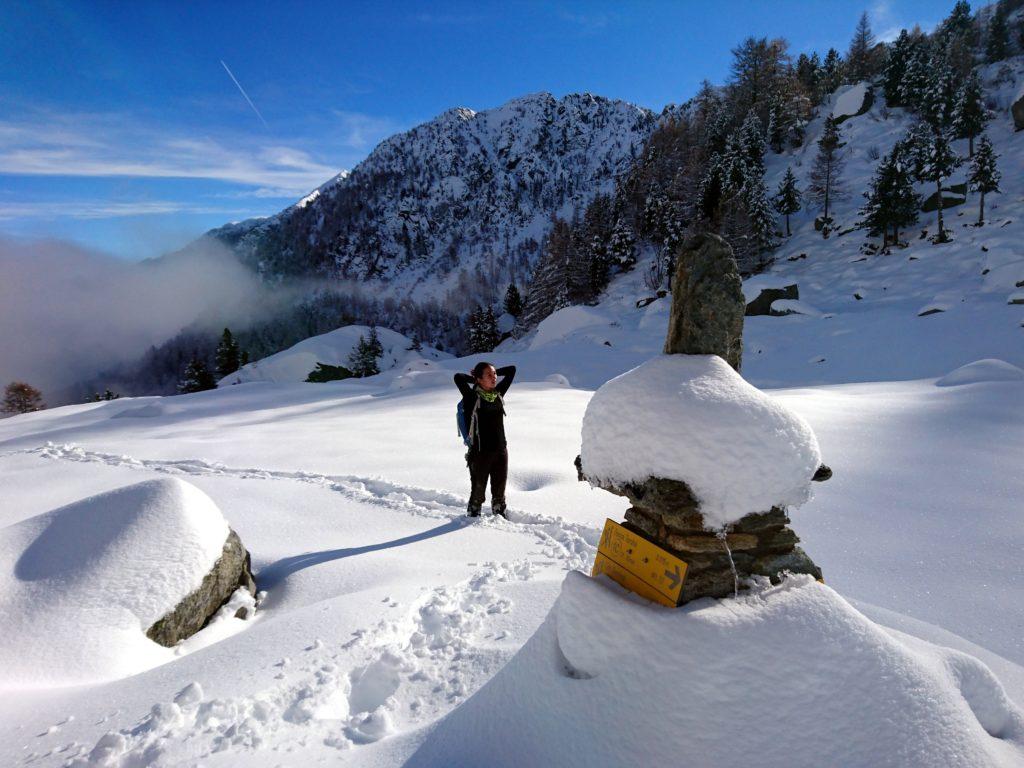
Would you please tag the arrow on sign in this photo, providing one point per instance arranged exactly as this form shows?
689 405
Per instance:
675 578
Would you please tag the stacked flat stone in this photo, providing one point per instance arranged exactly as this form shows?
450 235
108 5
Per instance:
707 318
666 513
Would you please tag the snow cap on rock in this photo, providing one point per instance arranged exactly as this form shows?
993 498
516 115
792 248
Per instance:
693 418
80 585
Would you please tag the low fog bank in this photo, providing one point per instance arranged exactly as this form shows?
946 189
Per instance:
68 312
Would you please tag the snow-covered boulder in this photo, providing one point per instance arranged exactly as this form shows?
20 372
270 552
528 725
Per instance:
692 418
334 348
851 101
81 585
791 675
1017 110
979 371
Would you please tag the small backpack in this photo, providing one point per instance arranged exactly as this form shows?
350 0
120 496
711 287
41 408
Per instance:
467 423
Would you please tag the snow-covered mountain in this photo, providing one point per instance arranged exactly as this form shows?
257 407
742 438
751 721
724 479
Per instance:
466 190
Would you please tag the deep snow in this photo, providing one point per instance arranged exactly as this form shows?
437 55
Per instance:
386 609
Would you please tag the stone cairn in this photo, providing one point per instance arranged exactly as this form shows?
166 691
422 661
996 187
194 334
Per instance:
707 319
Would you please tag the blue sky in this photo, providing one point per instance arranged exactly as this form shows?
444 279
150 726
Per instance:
121 128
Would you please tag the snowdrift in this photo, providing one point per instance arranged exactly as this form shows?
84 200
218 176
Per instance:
79 586
981 371
333 348
693 418
788 676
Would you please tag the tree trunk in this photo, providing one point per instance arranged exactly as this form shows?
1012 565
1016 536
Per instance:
970 146
981 210
788 233
940 237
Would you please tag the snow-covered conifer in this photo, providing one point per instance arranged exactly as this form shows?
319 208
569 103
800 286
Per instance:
936 161
969 115
997 47
917 76
936 101
762 222
622 246
197 377
787 199
896 68
751 138
891 203
984 176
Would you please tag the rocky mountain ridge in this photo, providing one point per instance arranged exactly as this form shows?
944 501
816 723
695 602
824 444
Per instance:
472 191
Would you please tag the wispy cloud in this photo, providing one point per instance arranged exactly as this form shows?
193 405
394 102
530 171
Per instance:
586 23
359 131
105 209
51 144
446 19
886 23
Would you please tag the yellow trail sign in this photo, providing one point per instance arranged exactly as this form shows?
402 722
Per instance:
639 566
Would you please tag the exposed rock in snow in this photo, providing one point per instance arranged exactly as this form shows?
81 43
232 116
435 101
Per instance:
980 371
693 418
852 101
707 302
80 585
231 572
1017 110
762 304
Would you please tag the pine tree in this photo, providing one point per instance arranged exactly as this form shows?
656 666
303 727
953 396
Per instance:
622 246
936 102
917 76
780 120
243 358
826 185
549 289
984 176
197 378
751 140
957 24
483 331
787 199
936 161
969 116
998 46
20 397
832 71
859 64
896 68
513 301
808 74
364 359
891 203
227 356
755 198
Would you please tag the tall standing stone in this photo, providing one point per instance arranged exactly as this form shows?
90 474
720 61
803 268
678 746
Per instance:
707 301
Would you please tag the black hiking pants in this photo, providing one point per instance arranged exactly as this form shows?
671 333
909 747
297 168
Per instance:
491 465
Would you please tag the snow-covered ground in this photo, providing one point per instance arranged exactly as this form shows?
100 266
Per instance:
386 609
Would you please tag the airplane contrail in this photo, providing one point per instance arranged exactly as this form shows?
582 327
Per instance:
240 88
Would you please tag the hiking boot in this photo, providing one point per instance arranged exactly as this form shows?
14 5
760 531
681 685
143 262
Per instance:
473 510
500 509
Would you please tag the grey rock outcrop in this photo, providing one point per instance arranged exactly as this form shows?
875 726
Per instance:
666 513
1017 110
762 305
707 301
231 571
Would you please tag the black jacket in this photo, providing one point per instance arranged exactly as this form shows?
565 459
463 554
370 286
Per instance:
490 416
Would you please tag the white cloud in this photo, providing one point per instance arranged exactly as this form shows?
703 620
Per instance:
115 145
361 132
105 209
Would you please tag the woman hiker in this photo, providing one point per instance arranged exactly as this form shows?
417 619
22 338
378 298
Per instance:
484 411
